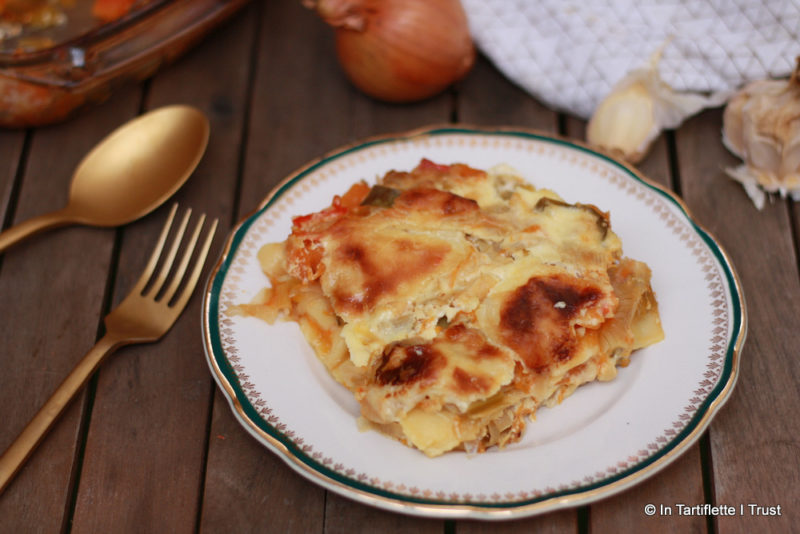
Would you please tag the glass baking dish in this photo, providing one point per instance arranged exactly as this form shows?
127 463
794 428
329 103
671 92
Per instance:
66 58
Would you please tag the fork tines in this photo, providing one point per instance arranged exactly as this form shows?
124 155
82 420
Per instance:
150 286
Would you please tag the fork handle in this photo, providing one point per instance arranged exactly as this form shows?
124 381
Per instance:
19 451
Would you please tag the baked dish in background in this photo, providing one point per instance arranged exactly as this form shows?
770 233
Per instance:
27 21
57 56
454 302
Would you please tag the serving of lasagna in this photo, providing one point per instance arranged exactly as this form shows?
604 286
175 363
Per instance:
453 302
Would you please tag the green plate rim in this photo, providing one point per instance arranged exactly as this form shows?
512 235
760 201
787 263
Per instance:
291 453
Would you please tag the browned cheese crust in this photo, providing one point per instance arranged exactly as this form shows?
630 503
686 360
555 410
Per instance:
453 302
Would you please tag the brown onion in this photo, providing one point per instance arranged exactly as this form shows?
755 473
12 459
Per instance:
400 50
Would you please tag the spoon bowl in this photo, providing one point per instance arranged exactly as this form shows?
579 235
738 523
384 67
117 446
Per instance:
129 173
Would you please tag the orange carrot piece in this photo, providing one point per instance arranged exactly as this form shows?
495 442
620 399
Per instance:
108 10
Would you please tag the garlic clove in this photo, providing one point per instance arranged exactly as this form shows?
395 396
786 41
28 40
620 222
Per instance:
760 151
639 107
791 151
733 133
624 122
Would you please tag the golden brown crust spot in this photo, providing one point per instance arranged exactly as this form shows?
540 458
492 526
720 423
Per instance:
430 174
436 201
403 366
473 340
535 320
467 383
382 273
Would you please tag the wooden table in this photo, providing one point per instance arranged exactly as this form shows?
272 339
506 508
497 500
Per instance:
152 446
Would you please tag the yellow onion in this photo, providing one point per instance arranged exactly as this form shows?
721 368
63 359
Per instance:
400 50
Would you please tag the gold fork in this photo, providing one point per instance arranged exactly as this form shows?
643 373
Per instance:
145 315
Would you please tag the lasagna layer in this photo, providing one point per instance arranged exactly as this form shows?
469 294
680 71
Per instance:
453 302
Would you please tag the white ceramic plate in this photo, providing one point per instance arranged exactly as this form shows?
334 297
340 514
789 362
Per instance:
601 440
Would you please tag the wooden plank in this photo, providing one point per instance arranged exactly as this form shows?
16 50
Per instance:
53 288
292 121
10 153
304 107
249 489
681 482
152 405
794 208
754 439
617 511
343 515
486 98
551 523
372 118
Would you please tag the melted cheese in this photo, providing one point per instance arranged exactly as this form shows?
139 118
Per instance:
457 368
460 301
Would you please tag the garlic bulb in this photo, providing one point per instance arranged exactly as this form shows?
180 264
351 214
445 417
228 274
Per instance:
761 125
639 107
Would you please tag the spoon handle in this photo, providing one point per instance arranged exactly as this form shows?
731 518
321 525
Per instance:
37 224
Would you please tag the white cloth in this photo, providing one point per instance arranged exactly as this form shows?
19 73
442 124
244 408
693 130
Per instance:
570 54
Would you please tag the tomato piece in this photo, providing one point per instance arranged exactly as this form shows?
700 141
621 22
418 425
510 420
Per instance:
426 164
304 250
456 169
314 221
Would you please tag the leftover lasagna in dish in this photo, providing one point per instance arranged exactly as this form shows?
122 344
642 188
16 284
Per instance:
454 302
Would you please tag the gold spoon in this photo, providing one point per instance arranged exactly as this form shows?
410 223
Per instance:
129 173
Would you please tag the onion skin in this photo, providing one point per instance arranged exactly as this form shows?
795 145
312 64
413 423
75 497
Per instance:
400 50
